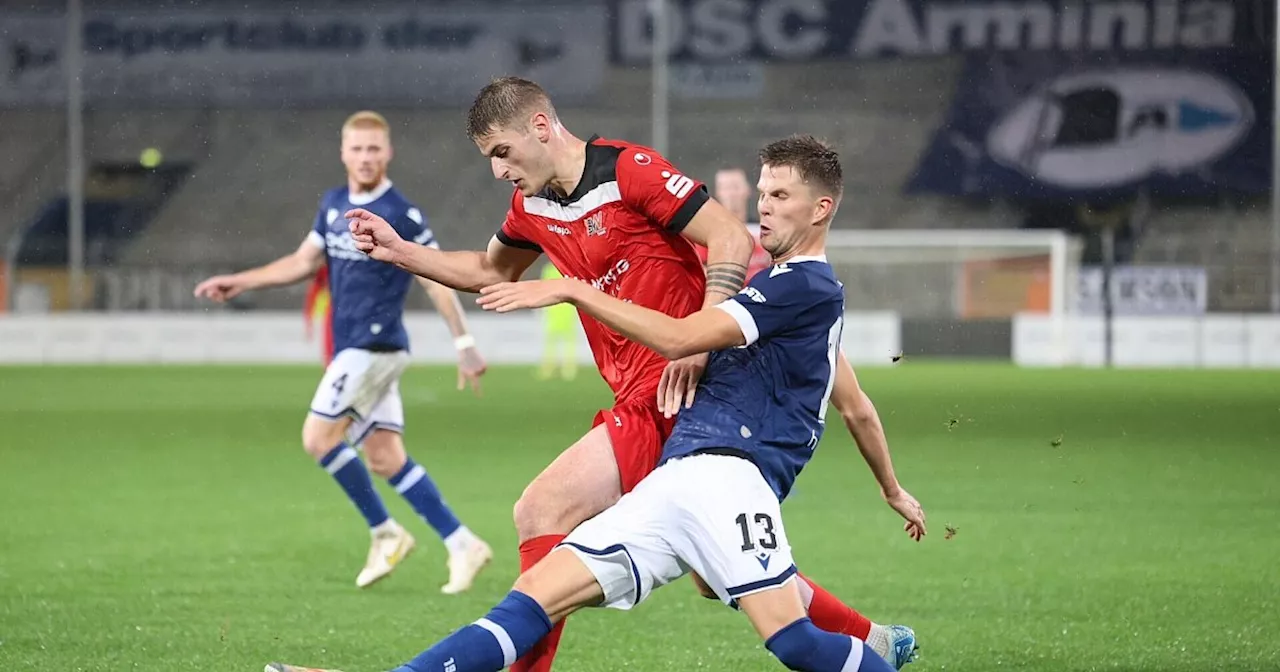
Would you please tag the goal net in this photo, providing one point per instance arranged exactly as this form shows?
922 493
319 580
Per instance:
937 279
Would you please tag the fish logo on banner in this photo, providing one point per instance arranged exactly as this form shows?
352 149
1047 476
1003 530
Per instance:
1113 127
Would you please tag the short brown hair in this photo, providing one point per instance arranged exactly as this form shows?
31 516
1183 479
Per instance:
813 160
502 102
367 119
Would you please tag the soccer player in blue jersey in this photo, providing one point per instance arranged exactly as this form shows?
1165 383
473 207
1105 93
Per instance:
357 403
713 505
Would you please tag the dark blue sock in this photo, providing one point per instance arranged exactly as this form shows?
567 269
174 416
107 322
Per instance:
415 485
491 643
802 646
349 471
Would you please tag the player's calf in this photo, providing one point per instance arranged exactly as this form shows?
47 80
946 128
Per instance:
390 543
802 646
468 554
325 441
553 589
490 643
778 616
384 450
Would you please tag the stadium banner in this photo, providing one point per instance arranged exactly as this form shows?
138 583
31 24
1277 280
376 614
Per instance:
1216 340
803 30
1100 126
1145 290
270 337
414 55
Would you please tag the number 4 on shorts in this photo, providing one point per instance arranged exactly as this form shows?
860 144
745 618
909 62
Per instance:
337 386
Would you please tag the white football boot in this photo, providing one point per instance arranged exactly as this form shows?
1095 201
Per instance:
390 545
464 565
895 643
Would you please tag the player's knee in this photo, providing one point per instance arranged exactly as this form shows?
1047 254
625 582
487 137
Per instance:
321 436
541 511
797 646
384 453
532 514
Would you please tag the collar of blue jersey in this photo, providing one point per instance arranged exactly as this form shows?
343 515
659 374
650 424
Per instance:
807 257
366 199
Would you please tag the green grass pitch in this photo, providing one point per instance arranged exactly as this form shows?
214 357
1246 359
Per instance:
166 519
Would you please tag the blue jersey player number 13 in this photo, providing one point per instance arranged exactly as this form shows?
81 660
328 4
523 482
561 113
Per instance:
712 507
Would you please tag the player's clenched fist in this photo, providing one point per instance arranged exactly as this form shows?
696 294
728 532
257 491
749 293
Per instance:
373 235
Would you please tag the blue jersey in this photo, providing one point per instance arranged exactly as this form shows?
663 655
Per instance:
766 401
366 296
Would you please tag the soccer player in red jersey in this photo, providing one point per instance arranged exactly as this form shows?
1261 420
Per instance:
621 217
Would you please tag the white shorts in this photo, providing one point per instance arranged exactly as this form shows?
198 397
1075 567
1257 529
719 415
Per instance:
364 386
711 514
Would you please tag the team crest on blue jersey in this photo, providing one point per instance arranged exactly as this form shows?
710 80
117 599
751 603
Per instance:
367 297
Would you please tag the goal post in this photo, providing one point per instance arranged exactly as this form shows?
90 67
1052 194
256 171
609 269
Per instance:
950 278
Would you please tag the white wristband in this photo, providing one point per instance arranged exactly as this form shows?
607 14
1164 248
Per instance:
464 342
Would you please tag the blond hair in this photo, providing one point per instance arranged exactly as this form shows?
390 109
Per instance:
367 119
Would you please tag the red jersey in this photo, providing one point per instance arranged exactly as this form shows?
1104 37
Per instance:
620 231
760 258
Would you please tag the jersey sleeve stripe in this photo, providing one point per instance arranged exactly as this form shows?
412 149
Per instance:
516 242
750 332
424 238
688 209
316 239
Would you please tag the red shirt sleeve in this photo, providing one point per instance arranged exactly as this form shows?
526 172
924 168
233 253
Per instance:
516 230
651 186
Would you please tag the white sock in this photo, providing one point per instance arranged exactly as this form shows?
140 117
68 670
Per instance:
878 639
387 526
459 541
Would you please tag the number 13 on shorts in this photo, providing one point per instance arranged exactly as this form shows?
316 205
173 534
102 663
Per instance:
759 538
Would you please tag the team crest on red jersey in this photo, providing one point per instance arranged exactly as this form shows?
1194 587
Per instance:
595 224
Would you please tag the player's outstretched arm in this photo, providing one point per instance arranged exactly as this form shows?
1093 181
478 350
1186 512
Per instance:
706 330
286 270
863 422
463 270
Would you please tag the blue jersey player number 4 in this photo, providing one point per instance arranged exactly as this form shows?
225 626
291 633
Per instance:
357 403
713 506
